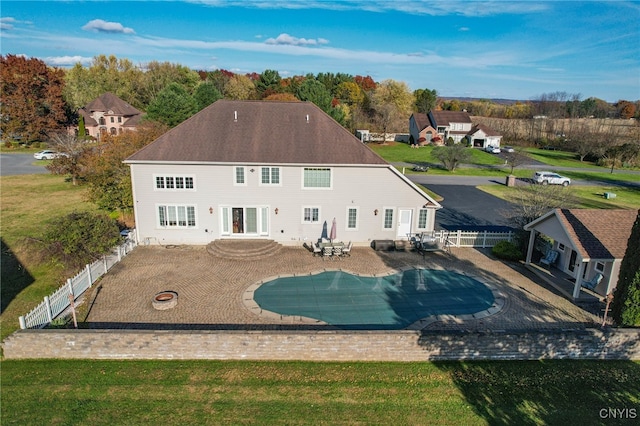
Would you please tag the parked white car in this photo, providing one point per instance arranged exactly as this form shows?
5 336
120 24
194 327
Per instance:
508 149
493 149
550 178
47 154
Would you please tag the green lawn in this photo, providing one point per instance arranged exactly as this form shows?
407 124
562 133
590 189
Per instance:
28 202
397 152
61 392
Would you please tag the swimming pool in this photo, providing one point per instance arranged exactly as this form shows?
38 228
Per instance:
394 301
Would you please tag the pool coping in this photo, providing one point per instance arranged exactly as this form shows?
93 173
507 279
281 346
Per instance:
499 300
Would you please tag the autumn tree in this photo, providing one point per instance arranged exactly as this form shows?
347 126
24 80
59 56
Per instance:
625 109
172 106
108 179
392 101
158 75
239 87
32 104
425 100
350 93
282 97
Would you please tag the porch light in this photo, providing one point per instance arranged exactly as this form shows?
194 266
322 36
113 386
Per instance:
375 212
210 210
276 210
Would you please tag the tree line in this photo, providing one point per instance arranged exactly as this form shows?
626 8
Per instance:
38 100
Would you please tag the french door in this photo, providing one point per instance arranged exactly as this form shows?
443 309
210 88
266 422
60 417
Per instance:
244 221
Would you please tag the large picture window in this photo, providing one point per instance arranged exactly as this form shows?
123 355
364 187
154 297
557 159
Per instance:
316 177
176 216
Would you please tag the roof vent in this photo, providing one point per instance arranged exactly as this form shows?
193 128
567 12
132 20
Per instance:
235 116
307 118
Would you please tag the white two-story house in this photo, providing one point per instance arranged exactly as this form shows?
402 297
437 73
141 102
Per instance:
270 170
438 126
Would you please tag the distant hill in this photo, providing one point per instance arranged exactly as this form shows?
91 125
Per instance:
494 100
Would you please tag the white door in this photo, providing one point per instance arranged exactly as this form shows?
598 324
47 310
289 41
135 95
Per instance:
404 223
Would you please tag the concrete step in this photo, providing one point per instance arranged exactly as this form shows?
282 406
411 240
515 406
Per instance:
243 249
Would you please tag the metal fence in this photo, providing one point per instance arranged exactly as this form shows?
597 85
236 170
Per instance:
56 303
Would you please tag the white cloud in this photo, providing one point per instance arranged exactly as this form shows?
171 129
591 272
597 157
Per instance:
412 7
286 39
100 26
64 61
8 23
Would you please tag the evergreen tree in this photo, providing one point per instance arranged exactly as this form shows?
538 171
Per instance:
172 106
625 308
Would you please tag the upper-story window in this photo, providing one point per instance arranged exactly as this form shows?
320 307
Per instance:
270 175
239 175
102 121
119 119
316 177
168 182
113 119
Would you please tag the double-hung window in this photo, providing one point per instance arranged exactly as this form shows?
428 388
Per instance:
422 218
388 219
316 177
310 214
270 175
239 176
352 218
176 216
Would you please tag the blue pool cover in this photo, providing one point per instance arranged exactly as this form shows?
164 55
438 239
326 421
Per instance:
391 302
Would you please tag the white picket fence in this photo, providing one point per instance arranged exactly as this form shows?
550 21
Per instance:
484 239
56 303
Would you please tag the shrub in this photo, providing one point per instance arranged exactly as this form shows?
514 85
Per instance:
507 250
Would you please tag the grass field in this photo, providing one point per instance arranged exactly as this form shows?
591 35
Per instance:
28 202
60 392
587 197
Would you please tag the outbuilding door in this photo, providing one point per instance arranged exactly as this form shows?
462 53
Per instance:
404 222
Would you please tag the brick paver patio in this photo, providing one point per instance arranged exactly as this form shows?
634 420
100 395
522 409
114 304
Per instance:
211 290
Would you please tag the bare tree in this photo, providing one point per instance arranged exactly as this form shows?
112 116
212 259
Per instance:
532 201
70 152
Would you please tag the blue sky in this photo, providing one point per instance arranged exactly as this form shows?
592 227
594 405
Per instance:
484 49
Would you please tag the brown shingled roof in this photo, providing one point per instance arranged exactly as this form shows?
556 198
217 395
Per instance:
445 118
110 102
259 132
486 129
600 234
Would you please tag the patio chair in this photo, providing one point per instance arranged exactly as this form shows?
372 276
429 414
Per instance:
337 251
327 252
346 251
550 258
591 284
317 251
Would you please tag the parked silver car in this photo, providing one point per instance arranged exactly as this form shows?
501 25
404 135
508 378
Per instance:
550 178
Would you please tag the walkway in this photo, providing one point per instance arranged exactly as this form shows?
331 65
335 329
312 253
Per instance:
211 290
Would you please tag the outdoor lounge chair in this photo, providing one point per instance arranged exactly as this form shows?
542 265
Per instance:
317 251
591 284
550 258
346 251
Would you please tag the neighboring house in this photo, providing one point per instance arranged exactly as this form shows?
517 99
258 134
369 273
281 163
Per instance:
108 114
589 242
438 126
272 170
482 136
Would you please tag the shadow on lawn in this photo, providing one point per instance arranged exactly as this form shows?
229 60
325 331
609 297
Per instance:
15 277
549 392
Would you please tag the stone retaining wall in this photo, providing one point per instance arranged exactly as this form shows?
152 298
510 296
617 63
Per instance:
322 345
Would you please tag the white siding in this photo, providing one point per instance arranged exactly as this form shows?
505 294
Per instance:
367 188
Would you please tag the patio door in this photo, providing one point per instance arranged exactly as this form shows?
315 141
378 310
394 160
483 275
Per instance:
244 221
404 222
